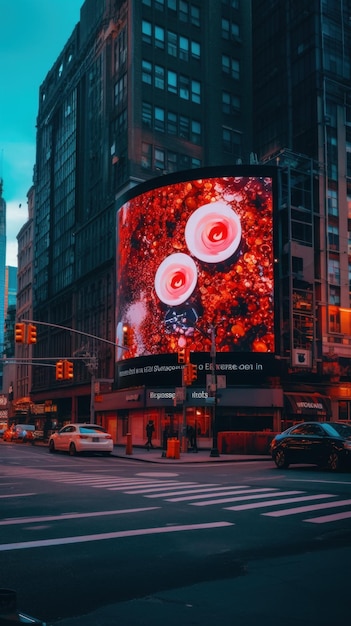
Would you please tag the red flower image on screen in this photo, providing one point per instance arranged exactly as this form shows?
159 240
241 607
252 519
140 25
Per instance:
196 254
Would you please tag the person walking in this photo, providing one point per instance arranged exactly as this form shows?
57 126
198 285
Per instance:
150 429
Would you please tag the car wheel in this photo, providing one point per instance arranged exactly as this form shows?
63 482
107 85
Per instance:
280 459
51 447
72 449
333 461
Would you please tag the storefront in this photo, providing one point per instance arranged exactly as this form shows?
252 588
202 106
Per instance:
128 411
300 406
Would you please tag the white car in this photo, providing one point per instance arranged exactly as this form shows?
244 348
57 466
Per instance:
77 438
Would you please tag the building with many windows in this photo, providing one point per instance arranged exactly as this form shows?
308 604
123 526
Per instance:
150 88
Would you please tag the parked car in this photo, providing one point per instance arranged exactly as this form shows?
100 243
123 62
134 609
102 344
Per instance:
326 444
77 438
19 432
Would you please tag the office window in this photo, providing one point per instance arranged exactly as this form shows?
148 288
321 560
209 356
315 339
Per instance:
159 77
195 163
146 114
159 119
333 237
195 15
195 50
334 297
121 90
147 3
230 103
333 202
172 123
146 155
172 43
196 91
159 37
231 66
160 5
146 30
195 132
183 48
159 159
146 72
172 83
184 127
172 4
232 142
225 28
334 271
171 161
184 87
183 11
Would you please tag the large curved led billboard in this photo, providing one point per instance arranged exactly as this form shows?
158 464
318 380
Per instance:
195 253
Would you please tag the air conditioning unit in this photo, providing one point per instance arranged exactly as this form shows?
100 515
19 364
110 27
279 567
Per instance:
301 358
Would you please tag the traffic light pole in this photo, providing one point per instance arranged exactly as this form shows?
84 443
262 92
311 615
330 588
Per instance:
214 451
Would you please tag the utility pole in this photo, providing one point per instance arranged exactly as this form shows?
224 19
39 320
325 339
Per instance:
214 452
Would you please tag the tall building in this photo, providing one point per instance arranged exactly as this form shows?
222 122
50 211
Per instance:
302 122
140 89
2 273
149 88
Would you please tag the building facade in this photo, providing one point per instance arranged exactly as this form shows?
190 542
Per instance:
143 89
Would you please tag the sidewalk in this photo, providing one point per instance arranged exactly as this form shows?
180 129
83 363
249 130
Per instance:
157 455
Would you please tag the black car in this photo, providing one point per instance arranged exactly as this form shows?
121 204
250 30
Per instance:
326 444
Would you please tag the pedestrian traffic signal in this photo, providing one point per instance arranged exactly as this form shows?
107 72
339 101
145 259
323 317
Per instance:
20 332
59 370
68 373
31 334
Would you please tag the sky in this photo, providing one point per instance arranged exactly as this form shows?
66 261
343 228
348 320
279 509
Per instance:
32 35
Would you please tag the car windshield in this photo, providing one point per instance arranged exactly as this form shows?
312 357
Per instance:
91 429
343 430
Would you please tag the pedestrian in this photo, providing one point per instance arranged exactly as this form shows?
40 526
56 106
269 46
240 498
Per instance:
150 429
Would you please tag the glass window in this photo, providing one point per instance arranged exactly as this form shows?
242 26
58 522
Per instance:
159 37
226 102
146 72
146 114
333 237
195 163
146 31
171 161
183 11
195 52
172 4
225 64
146 151
225 28
160 5
172 84
159 77
195 15
334 271
184 87
195 132
159 119
196 91
183 48
172 43
159 159
333 202
172 123
184 127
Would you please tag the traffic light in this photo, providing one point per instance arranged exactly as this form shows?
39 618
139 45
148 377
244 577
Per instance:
127 336
192 371
31 334
59 370
183 355
20 332
68 370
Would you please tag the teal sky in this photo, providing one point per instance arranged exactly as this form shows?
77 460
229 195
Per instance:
32 34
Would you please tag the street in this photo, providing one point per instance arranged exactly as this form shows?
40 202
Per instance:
235 543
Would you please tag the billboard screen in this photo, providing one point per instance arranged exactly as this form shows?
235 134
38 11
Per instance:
196 254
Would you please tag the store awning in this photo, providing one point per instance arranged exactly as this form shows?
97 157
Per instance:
307 404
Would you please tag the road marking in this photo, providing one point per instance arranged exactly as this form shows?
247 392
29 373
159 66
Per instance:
44 543
203 490
189 488
335 517
313 507
258 505
51 518
18 495
234 491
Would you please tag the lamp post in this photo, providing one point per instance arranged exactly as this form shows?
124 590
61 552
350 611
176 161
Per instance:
214 451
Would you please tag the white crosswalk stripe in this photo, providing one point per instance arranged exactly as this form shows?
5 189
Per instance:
197 494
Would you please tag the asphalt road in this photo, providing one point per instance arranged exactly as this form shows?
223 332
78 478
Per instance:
98 541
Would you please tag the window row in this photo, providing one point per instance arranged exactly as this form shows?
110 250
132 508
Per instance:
180 85
176 45
186 11
153 157
230 30
157 118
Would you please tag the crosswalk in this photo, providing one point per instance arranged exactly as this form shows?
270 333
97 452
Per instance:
319 508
